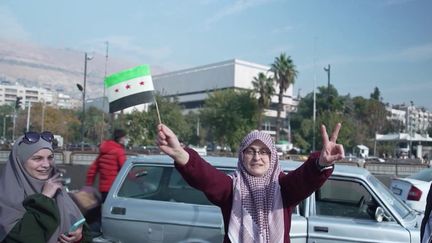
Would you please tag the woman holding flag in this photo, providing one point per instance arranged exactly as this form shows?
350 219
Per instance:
256 201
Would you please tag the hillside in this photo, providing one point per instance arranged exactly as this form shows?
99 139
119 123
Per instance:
56 69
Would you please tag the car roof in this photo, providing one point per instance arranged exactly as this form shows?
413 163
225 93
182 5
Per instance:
231 163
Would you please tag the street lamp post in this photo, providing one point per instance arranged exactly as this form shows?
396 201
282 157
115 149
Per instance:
83 91
327 69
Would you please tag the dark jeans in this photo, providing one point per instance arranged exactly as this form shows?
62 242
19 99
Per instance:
94 216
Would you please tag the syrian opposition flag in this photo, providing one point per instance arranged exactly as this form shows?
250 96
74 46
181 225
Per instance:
129 88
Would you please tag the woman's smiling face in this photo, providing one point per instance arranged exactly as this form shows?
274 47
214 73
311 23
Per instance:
40 164
256 158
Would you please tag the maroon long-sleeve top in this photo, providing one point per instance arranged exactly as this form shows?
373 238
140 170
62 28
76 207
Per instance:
218 187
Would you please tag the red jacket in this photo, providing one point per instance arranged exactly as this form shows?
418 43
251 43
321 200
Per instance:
111 158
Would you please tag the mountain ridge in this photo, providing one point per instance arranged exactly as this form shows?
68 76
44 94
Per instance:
57 69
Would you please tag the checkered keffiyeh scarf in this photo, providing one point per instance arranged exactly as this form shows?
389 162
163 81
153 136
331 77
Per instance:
257 211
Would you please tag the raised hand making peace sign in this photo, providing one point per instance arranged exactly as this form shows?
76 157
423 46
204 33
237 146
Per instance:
331 151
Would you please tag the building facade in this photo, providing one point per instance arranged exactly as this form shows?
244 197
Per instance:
413 119
9 92
192 86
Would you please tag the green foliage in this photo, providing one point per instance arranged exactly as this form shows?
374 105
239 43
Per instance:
6 112
328 99
96 123
263 87
229 115
361 118
197 133
285 73
141 126
376 95
137 127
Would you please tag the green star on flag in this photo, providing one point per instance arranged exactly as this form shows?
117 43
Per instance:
129 88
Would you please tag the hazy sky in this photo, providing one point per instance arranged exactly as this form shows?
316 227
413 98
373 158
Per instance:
368 43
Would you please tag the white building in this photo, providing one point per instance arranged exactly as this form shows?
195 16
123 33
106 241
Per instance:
192 86
65 101
413 119
418 120
9 93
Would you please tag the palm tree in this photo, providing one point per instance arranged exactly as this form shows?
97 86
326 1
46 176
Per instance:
263 86
285 74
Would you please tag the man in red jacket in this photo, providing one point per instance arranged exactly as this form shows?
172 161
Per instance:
111 158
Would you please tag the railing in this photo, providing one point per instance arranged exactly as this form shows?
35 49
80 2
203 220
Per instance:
394 168
66 157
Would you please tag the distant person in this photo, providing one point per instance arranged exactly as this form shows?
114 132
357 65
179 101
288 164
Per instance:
34 206
111 158
257 200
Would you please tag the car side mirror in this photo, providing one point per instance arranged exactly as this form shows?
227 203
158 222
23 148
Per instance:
380 215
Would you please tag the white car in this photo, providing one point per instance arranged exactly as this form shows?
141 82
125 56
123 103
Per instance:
374 159
413 189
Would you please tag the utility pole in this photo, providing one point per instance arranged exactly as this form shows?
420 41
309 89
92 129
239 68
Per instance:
43 117
86 58
28 116
18 104
314 98
104 90
327 69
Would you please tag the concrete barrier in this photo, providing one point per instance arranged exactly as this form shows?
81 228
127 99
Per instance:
390 169
4 156
348 163
394 169
82 158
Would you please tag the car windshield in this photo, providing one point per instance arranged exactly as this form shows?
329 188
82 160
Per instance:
386 195
423 175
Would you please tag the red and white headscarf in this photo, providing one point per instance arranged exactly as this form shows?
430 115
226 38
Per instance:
257 211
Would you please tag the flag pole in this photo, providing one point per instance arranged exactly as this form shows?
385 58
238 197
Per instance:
157 109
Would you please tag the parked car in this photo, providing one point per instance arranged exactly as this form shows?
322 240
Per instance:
374 159
413 189
150 202
202 151
354 158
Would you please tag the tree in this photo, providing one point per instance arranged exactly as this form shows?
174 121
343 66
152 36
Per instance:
263 86
198 132
94 125
285 74
141 126
328 99
376 95
229 115
6 112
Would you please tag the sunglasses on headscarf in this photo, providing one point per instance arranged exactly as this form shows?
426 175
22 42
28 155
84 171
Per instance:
34 137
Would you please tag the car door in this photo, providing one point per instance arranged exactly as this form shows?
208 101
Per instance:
343 210
154 204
